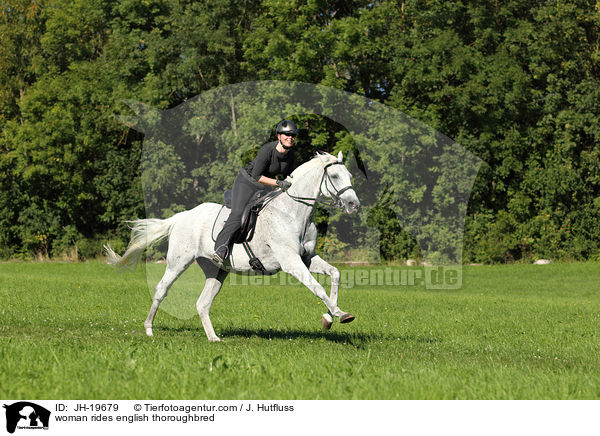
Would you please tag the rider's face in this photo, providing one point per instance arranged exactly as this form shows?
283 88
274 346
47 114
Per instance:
287 140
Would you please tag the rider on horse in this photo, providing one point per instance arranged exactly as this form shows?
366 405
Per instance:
273 159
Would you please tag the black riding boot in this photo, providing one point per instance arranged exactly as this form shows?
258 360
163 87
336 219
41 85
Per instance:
244 188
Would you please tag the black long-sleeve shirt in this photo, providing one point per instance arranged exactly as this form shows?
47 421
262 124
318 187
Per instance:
269 162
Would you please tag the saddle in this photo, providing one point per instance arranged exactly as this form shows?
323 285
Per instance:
250 214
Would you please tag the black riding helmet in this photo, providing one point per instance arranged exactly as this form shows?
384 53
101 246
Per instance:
287 126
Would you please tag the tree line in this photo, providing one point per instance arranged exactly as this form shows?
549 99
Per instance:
515 82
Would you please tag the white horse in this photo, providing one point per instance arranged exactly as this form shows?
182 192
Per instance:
285 238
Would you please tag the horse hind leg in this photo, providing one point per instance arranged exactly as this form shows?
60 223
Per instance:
175 267
214 281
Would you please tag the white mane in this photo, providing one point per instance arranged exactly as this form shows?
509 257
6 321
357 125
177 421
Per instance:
319 159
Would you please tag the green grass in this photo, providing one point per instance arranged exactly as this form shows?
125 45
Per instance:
74 331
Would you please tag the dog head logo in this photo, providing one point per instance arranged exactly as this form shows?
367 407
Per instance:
26 415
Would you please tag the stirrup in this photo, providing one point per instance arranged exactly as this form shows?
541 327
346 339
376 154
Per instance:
217 260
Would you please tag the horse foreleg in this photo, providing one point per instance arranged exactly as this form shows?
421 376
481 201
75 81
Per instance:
295 267
214 281
319 266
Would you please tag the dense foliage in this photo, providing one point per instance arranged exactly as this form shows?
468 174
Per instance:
516 82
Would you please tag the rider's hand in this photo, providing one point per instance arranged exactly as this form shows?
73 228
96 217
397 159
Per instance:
283 184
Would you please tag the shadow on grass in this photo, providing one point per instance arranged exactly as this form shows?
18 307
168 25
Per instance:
355 339
338 337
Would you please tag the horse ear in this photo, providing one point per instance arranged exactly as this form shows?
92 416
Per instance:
340 157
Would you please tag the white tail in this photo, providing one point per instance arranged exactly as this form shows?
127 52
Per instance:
143 234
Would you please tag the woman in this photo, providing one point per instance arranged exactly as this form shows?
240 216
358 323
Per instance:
273 159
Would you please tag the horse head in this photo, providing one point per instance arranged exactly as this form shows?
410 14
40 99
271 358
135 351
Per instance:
336 183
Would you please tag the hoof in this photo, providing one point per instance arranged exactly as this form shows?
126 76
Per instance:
326 321
215 339
346 318
149 332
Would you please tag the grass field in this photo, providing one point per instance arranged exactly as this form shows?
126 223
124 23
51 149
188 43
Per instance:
74 331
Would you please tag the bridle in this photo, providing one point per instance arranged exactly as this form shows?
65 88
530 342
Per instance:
335 193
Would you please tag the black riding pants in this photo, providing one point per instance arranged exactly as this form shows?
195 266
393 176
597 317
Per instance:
244 188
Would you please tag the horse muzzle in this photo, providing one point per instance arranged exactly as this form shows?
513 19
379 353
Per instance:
349 202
